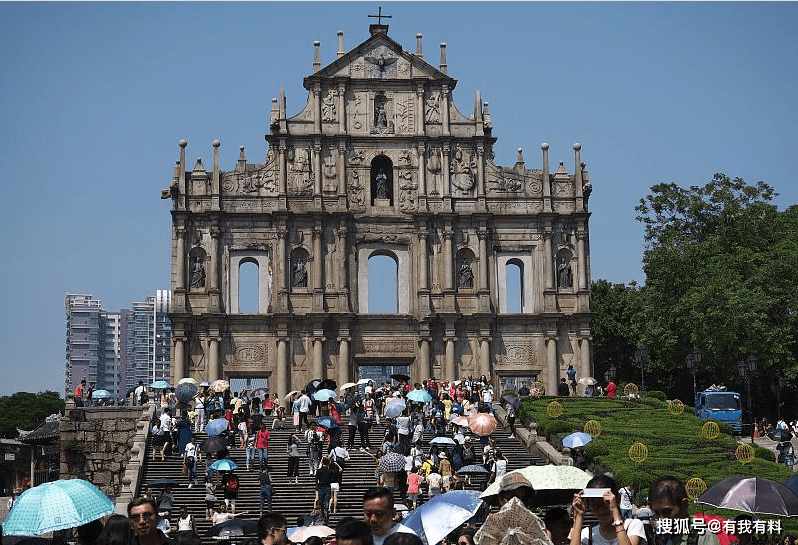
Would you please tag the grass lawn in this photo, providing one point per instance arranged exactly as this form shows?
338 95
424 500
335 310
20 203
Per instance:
674 442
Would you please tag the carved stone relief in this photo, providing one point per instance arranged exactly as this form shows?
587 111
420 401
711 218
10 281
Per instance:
380 63
518 354
300 172
405 115
330 172
432 108
383 122
356 110
386 346
328 112
434 169
463 170
249 354
356 190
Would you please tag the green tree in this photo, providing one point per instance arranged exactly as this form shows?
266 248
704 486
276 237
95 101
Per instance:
721 274
25 411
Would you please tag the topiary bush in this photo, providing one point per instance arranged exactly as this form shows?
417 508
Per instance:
656 394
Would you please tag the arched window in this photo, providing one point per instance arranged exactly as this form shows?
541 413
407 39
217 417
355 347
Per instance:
514 280
381 180
248 295
383 282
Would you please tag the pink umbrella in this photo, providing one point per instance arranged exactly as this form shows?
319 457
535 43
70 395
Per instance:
482 424
307 531
717 528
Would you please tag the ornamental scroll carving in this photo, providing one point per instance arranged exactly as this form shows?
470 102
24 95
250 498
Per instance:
386 346
518 354
250 355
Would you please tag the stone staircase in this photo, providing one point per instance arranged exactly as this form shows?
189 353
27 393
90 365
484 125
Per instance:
296 500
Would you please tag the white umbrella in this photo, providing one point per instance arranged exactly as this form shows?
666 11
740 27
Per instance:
443 513
345 386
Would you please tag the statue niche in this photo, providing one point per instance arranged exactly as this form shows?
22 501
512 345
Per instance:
299 268
465 272
381 181
565 276
197 261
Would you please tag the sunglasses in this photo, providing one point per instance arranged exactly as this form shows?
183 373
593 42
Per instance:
146 516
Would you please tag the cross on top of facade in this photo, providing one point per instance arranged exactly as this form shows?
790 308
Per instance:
379 16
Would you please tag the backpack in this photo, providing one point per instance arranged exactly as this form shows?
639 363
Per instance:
232 483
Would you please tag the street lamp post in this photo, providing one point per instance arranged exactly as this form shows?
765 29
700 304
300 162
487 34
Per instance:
747 368
641 355
777 385
609 374
692 360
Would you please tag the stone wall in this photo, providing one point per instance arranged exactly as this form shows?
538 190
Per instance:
97 444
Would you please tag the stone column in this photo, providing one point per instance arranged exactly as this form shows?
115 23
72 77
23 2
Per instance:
280 267
551 364
422 170
213 273
343 358
317 174
282 178
179 362
318 354
447 258
480 171
423 259
318 258
450 370
580 252
425 364
548 260
484 353
445 109
342 108
316 97
214 371
447 184
283 369
482 281
584 358
180 260
342 168
420 109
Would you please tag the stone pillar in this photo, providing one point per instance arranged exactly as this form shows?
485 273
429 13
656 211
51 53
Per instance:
318 259
420 109
546 180
584 357
425 363
445 109
214 367
447 184
342 168
480 171
343 269
343 358
482 281
283 369
548 260
179 361
318 354
213 273
280 268
450 371
551 364
316 97
317 174
484 353
447 258
180 260
580 252
342 108
422 170
282 178
423 259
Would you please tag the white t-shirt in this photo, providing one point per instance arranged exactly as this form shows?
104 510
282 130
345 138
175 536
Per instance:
626 498
634 527
395 529
434 480
166 422
499 468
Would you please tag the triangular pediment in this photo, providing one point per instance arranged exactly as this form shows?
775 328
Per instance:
379 58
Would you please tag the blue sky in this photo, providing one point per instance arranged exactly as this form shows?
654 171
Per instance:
95 96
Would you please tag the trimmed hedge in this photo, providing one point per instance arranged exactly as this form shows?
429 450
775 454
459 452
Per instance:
656 394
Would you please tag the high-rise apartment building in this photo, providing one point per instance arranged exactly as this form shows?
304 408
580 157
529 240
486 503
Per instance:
117 349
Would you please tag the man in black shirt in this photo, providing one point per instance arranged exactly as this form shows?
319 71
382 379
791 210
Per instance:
324 476
562 388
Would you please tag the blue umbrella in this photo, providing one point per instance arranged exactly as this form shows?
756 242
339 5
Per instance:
394 407
792 483
216 426
57 505
225 464
443 513
324 395
419 395
101 394
159 385
577 439
186 391
328 422
472 469
441 440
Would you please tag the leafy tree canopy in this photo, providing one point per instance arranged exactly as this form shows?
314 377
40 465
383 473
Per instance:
25 411
721 274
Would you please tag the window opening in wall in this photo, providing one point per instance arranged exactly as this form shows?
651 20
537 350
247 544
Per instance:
248 287
513 278
383 290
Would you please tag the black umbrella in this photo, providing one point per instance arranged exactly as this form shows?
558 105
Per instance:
214 444
160 483
312 386
780 435
512 400
752 495
234 527
327 384
186 391
400 377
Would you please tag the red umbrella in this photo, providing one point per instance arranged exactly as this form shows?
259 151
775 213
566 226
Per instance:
482 423
717 528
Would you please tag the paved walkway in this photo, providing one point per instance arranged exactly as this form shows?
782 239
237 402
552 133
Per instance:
770 444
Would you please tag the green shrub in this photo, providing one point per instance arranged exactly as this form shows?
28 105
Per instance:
656 394
764 454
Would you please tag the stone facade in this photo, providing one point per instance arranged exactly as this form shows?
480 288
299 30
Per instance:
99 443
380 162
